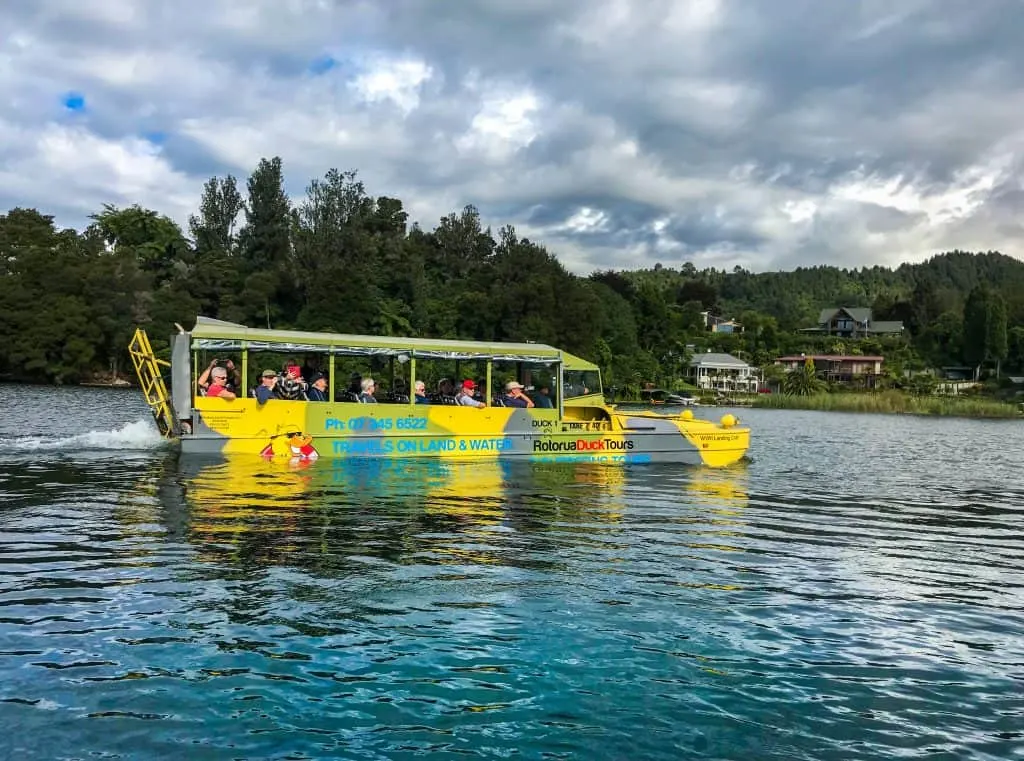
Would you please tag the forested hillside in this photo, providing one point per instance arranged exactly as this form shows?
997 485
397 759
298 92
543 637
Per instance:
340 259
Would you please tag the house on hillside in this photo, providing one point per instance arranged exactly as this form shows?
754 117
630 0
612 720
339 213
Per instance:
838 368
720 324
853 322
721 372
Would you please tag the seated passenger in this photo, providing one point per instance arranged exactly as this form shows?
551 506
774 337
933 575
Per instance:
399 392
233 382
445 392
464 396
514 396
318 388
219 384
291 387
311 369
351 392
421 392
265 391
366 391
543 398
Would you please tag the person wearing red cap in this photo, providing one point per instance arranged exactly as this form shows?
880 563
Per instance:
464 395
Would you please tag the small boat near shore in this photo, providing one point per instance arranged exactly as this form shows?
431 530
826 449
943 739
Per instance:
116 383
668 398
570 422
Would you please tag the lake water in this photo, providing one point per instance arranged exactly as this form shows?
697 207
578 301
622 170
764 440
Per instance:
854 591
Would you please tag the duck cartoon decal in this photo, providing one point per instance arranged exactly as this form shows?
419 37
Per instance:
294 444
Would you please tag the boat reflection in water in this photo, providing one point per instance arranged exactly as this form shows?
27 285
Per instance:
272 508
724 490
479 512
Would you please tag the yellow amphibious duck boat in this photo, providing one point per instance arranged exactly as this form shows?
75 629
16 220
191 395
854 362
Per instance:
578 426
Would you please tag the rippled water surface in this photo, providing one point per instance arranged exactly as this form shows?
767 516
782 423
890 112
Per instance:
854 591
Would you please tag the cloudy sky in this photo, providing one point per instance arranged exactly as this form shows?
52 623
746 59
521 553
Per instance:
760 133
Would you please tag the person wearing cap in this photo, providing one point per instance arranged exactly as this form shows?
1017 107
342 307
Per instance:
317 388
265 391
464 396
514 396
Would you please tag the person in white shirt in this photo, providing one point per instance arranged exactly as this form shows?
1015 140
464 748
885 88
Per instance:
464 396
368 387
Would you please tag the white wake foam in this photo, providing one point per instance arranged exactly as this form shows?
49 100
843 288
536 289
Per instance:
139 435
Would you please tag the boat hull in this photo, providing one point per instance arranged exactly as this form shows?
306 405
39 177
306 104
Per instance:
304 431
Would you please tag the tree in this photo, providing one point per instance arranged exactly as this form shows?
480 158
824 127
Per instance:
264 244
803 381
942 341
336 264
155 240
652 316
1015 348
265 241
213 229
984 331
996 338
698 290
691 317
463 246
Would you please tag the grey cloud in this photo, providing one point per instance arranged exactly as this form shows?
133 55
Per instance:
738 116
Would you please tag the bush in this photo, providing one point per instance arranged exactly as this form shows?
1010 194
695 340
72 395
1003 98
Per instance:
892 402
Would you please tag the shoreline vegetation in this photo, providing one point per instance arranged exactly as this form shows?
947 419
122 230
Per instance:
892 402
338 259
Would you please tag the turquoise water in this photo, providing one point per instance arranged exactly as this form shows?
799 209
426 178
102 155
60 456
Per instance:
855 591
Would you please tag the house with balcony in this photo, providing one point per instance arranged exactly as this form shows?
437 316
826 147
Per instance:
853 322
722 372
838 368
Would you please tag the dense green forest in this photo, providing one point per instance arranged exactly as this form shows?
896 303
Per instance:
345 261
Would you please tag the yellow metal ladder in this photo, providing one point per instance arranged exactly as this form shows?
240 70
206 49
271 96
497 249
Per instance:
147 369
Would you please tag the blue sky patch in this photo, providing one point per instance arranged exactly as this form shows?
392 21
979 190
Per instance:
322 65
74 101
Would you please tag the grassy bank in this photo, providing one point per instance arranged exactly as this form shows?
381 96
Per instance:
895 402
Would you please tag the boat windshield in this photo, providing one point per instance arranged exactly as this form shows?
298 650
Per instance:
581 383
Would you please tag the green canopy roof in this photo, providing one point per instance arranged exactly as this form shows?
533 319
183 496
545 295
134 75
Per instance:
572 362
218 335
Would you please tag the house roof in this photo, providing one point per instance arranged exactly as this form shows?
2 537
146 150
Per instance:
834 358
860 314
716 359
